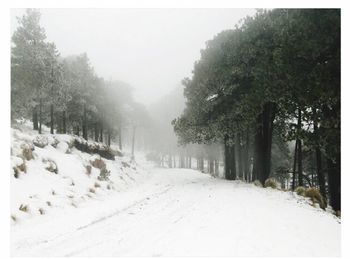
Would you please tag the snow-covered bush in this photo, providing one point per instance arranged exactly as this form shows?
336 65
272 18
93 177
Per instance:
300 190
18 165
53 141
271 182
63 146
27 151
98 163
104 174
315 196
51 166
40 141
257 183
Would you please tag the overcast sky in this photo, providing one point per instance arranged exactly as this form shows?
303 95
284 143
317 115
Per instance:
151 49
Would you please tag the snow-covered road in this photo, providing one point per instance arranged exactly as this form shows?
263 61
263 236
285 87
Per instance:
178 212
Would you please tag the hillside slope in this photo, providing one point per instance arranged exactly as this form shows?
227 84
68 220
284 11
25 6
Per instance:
49 174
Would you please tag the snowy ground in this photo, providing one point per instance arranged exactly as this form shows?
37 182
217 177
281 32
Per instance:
181 212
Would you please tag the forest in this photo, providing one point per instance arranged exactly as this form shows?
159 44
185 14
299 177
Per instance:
263 101
268 87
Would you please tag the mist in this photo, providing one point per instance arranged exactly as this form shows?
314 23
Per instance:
150 49
175 132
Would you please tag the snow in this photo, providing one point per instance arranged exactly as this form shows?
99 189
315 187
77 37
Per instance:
156 212
212 97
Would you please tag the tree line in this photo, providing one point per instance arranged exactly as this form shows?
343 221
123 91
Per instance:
65 93
272 80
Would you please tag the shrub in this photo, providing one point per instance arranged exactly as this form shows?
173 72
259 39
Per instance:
315 196
54 142
88 170
51 166
97 185
41 141
13 217
23 208
115 152
104 174
300 190
98 163
41 211
53 192
257 183
125 164
338 213
48 203
27 153
271 182
92 190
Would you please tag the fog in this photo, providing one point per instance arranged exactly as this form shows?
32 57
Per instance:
127 89
150 49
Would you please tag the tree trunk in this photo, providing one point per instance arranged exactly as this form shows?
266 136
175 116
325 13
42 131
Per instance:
109 137
230 163
319 171
295 165
35 118
40 115
240 159
170 161
51 119
96 131
334 182
216 167
263 142
64 127
85 135
201 163
133 143
211 167
101 132
247 159
300 154
120 139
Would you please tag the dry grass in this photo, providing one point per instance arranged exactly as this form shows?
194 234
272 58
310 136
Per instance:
315 196
271 182
88 170
24 208
48 203
98 163
92 190
125 164
41 211
13 217
257 183
300 190
97 185
27 153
